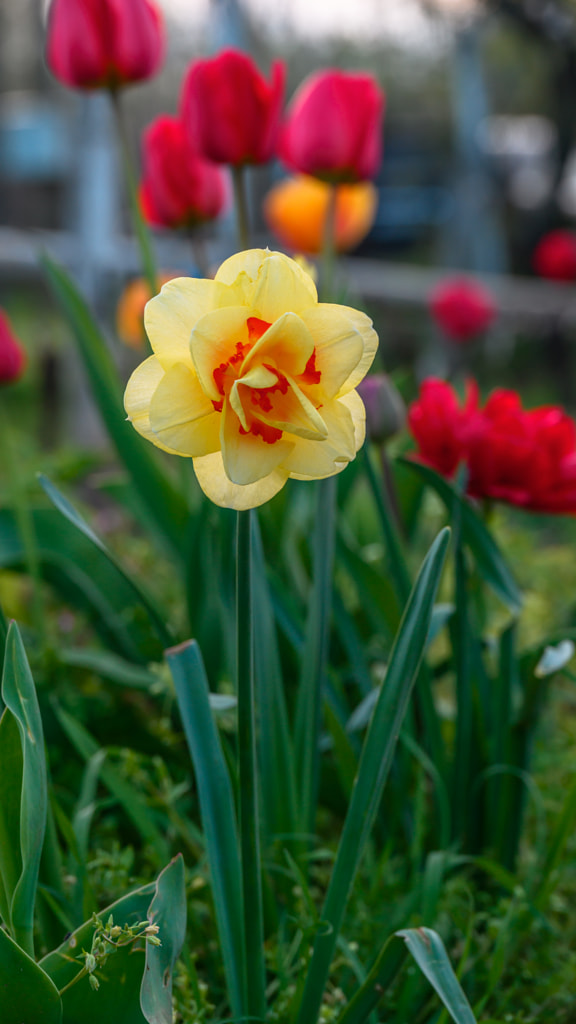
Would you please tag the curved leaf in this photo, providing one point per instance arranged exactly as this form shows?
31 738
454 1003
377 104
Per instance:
168 912
19 696
27 993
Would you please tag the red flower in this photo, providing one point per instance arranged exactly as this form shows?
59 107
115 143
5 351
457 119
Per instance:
555 256
179 187
462 308
440 426
525 458
230 110
95 44
334 127
12 355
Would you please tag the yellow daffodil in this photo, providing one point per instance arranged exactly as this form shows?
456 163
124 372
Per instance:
252 378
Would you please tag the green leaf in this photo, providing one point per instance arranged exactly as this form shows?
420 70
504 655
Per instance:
156 490
118 999
489 559
10 796
27 994
377 754
86 580
108 666
73 516
19 696
217 809
130 800
168 912
428 950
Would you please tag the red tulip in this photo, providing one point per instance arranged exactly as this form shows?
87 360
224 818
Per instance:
179 187
95 44
462 308
525 458
440 425
555 256
12 355
334 127
232 113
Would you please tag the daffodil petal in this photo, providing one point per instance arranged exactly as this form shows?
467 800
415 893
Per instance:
363 325
181 416
170 316
282 285
247 457
339 345
212 478
214 341
287 343
352 401
258 377
313 460
138 395
294 413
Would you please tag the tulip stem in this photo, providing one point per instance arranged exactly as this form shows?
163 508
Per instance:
142 233
255 994
241 204
329 245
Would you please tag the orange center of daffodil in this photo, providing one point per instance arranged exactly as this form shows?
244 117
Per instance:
259 401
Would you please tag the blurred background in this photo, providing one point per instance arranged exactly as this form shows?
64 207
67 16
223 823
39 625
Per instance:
479 165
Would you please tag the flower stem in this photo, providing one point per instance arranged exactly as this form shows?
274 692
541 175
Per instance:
241 204
255 998
142 233
329 246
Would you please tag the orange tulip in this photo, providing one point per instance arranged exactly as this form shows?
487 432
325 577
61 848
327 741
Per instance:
130 310
296 212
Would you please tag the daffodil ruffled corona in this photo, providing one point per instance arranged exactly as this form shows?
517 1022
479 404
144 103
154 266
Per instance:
252 378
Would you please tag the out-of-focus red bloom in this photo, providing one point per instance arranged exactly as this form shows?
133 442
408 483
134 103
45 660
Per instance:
334 127
555 256
179 187
95 44
523 457
12 355
440 424
462 308
231 112
296 211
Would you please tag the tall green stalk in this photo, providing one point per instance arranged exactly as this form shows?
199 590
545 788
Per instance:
329 246
142 233
241 206
255 997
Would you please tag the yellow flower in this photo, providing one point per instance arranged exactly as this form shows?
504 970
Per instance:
252 378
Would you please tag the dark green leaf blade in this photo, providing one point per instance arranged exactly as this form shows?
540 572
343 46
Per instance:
27 994
19 696
217 808
428 951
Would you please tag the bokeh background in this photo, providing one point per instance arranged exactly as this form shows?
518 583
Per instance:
479 165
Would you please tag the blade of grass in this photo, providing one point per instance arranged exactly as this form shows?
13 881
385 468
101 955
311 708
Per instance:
217 808
377 753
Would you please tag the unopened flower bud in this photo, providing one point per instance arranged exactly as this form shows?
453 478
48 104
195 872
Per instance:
385 409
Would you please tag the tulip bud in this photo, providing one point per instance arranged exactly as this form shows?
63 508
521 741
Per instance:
179 187
96 44
555 256
231 112
334 127
385 409
12 355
